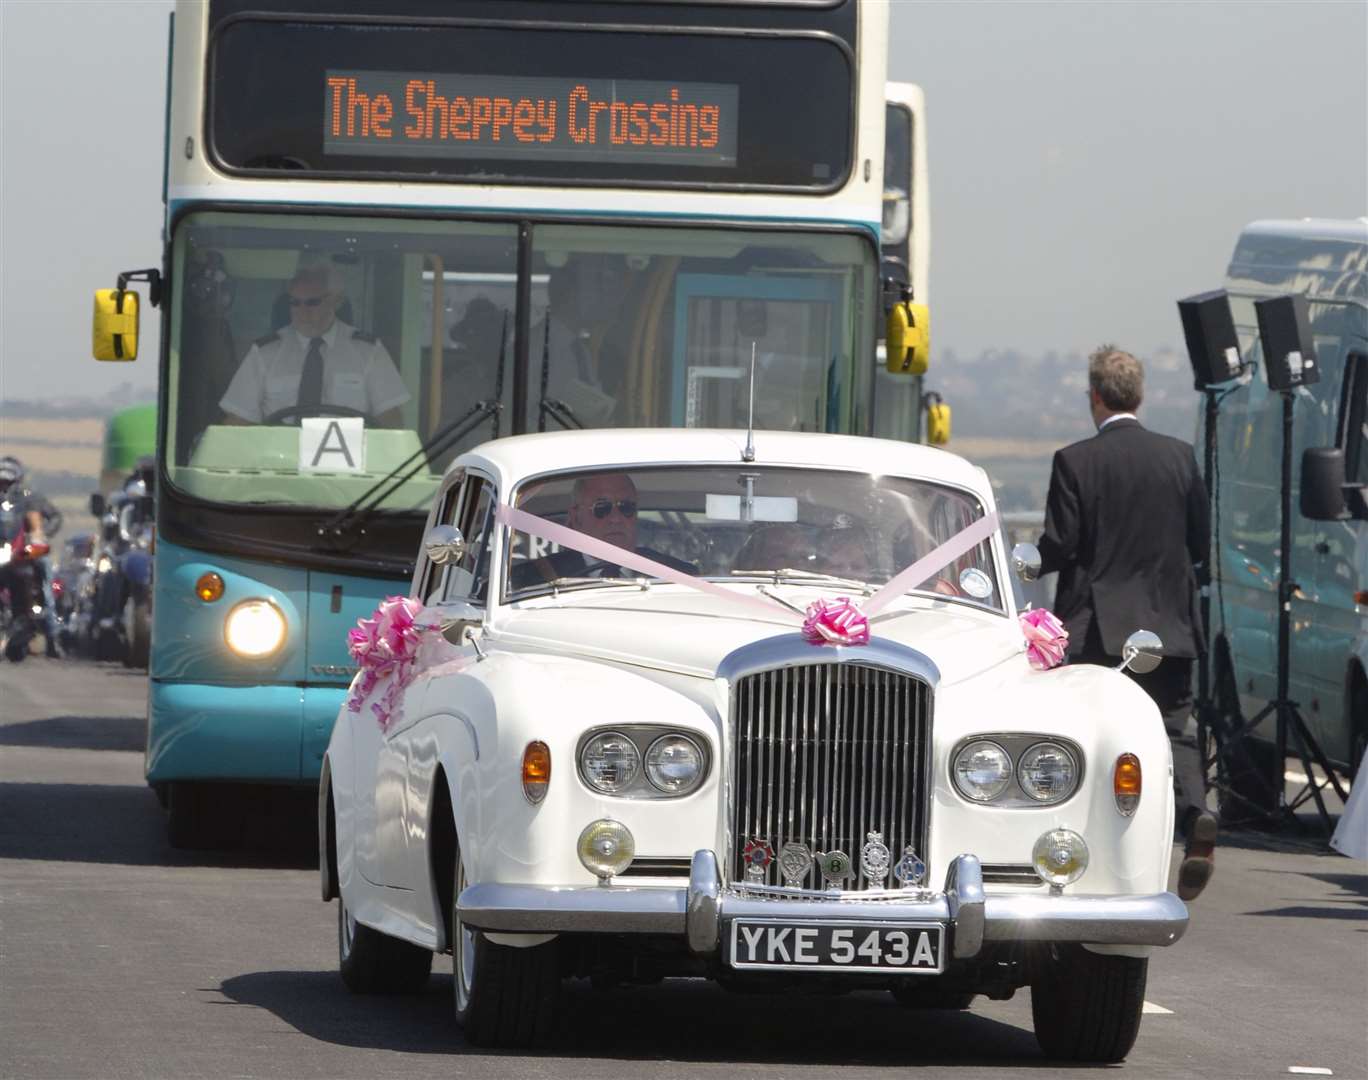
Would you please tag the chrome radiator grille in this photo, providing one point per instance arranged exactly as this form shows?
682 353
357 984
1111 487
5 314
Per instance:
824 755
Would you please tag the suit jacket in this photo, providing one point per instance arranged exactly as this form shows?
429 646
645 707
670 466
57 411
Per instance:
567 563
1127 526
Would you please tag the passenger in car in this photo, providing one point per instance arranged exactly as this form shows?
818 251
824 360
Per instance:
847 550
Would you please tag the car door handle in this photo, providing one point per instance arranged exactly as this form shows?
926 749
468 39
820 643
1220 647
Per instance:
1323 548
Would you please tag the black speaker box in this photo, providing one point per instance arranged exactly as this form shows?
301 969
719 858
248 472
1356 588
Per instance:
1288 348
1212 345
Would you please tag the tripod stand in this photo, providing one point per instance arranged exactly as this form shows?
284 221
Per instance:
1288 719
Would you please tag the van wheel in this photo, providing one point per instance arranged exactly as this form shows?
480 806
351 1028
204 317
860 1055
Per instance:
374 963
505 997
1087 1007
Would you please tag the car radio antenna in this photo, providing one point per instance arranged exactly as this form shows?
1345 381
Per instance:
748 454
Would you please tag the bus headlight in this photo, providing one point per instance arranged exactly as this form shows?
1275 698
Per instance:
254 628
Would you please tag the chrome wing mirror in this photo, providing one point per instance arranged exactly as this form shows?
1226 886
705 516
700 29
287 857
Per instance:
1141 652
444 544
1026 561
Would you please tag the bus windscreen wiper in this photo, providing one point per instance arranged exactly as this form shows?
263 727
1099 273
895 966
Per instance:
558 410
332 531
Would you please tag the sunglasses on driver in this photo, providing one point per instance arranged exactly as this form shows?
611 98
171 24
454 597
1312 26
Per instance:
603 507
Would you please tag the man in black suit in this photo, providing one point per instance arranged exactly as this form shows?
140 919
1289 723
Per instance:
1126 527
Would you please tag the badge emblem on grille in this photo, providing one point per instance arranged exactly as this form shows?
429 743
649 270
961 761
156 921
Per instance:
795 861
757 856
874 858
835 867
910 871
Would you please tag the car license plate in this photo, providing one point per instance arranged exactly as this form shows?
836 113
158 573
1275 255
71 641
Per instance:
885 948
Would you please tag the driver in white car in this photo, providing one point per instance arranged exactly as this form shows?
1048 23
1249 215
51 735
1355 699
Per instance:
316 366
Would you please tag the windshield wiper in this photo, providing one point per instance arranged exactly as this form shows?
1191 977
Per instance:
789 573
556 584
558 410
360 510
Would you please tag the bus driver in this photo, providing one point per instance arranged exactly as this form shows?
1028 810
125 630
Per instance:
318 365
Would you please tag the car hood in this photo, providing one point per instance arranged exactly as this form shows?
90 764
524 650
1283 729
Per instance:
685 633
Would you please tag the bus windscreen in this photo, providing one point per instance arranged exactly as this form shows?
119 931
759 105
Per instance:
504 103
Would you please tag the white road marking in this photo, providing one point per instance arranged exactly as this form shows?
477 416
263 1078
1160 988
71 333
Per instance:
1156 1010
1310 1070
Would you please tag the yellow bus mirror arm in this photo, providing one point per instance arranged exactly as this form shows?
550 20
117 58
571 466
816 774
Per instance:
907 337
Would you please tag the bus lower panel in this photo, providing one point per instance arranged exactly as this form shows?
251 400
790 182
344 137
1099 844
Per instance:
271 734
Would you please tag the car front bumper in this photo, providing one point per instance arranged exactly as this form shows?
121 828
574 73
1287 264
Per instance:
699 911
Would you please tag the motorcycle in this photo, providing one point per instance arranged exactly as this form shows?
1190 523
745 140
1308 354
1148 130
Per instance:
116 621
21 595
70 582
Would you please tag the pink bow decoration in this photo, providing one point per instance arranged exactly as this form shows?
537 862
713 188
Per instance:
835 622
1046 638
385 647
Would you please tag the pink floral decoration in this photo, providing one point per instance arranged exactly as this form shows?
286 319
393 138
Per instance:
835 622
385 646
1046 638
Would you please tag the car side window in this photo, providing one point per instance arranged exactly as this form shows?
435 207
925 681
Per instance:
434 576
469 579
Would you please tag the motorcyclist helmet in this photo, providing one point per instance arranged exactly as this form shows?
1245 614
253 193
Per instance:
11 472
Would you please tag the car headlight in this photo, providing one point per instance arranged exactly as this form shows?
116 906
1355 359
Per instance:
254 628
982 770
610 762
1047 772
674 764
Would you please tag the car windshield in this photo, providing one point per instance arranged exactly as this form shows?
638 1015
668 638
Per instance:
738 523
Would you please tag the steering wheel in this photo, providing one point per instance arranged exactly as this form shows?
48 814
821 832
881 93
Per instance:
293 413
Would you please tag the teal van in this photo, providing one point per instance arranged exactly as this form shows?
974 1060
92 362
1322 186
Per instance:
1327 261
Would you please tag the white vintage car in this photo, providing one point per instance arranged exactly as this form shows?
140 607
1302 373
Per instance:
644 735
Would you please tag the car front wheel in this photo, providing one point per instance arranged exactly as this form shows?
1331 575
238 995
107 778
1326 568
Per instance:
505 997
1087 1007
375 963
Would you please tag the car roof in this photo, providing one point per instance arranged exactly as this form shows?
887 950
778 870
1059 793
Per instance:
512 458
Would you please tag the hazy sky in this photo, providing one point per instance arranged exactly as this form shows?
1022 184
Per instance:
1090 162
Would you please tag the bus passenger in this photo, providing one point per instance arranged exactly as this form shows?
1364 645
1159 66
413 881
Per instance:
316 366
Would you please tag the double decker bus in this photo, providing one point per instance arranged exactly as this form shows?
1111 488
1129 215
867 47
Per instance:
483 218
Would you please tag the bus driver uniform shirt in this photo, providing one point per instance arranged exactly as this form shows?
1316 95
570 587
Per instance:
357 373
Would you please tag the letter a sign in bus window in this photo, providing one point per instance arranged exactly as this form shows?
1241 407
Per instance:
332 444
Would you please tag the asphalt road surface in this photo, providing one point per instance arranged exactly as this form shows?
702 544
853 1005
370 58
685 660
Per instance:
120 957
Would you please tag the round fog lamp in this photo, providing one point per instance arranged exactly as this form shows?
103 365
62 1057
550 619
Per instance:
606 848
255 628
1060 856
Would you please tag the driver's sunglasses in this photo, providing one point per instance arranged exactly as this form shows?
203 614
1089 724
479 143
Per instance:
306 301
603 507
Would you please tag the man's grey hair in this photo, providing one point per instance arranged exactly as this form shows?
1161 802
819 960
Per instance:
326 274
1117 377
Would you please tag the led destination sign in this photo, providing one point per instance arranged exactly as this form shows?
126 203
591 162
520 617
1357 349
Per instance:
422 115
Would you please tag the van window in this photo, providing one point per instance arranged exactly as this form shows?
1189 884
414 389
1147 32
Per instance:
1352 430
